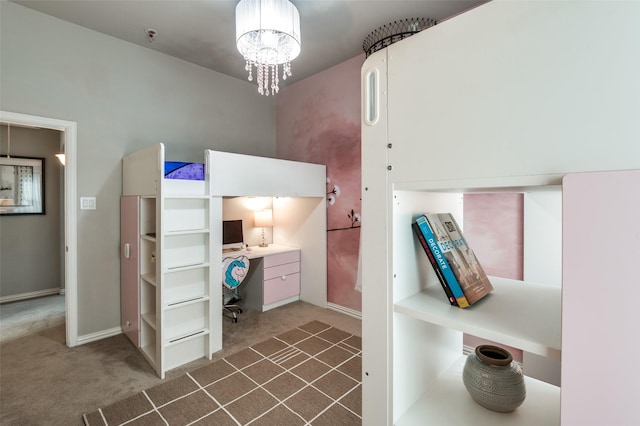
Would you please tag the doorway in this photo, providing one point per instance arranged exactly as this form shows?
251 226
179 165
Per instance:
69 134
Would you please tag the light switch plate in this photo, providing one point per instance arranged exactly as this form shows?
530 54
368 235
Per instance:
87 203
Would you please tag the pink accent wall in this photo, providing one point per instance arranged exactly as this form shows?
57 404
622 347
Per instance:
493 228
318 121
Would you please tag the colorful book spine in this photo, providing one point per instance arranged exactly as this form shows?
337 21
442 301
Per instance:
438 254
434 264
462 260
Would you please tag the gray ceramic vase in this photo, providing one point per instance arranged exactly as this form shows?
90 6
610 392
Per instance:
493 379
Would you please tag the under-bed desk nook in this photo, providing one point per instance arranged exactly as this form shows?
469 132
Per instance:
273 277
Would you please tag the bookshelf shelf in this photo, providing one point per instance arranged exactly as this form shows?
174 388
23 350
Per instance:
150 319
519 314
150 278
541 407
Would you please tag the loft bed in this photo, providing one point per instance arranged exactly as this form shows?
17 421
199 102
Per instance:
178 190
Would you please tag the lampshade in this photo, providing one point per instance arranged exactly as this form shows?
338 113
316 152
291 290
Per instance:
263 218
267 35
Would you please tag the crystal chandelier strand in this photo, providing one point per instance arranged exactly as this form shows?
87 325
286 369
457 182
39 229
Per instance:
267 35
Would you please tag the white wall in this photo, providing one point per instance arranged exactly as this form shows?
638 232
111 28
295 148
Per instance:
124 97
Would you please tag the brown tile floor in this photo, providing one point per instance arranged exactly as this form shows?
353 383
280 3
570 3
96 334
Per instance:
306 376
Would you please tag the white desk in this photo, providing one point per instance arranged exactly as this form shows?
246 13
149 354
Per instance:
255 252
274 276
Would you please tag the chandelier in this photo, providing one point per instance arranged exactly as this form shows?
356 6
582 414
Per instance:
268 35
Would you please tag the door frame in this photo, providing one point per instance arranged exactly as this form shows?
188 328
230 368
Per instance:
69 132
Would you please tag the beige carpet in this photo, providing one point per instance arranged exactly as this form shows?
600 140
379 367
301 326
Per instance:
24 317
310 375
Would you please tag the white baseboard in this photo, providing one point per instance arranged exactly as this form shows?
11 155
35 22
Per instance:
344 310
99 335
30 295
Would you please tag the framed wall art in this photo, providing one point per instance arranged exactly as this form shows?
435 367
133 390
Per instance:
21 185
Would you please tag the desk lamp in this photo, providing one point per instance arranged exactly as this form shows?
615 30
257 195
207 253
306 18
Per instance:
262 219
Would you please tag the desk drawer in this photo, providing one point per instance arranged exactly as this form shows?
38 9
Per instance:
281 270
282 258
281 288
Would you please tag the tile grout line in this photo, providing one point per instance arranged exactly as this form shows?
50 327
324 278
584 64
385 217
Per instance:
220 406
154 409
337 402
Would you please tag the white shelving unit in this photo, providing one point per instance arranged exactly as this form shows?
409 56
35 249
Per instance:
148 282
427 349
460 108
186 285
519 314
177 300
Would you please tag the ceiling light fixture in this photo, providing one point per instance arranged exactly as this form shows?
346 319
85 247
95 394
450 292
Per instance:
268 35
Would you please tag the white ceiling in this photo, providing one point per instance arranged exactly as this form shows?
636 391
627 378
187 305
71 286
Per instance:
203 31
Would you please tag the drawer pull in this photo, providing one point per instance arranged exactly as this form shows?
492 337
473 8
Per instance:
283 277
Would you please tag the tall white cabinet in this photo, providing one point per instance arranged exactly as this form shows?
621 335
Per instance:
518 97
177 304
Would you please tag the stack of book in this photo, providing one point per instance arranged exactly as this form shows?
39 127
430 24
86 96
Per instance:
460 274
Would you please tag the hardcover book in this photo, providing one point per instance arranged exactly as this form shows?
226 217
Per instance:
434 265
441 262
460 257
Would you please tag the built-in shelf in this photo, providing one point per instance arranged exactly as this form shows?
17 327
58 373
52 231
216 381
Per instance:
150 319
448 402
149 238
150 278
519 314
